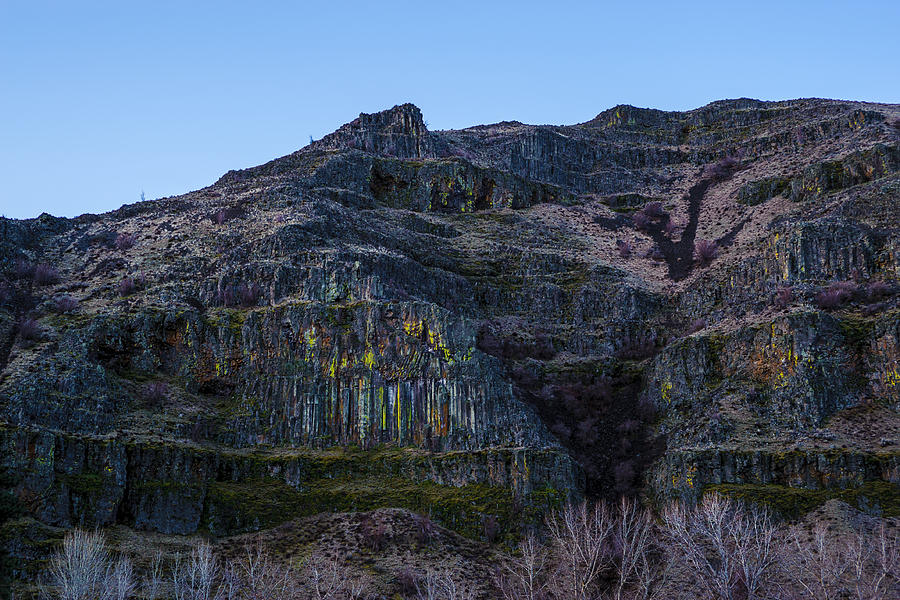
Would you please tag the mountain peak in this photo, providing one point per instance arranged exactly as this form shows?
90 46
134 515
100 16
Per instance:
399 131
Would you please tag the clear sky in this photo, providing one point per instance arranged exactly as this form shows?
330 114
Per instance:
101 100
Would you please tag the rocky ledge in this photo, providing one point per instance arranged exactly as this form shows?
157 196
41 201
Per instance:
476 324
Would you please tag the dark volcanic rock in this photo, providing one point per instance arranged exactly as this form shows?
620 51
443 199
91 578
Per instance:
468 323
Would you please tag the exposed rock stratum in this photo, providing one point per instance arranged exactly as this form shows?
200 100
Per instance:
474 324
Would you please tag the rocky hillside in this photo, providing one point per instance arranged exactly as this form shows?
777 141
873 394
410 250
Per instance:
473 324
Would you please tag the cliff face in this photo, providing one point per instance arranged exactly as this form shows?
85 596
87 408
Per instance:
468 323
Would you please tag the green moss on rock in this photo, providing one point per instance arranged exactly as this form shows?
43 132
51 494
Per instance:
234 507
879 497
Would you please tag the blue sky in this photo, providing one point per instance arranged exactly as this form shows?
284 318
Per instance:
101 100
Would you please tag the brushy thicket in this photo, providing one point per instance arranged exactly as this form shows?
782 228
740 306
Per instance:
717 549
836 294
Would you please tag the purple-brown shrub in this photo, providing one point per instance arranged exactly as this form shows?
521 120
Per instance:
722 169
706 251
65 304
29 329
640 220
126 286
784 297
45 274
373 533
654 210
876 290
244 294
835 295
696 325
23 269
124 241
155 393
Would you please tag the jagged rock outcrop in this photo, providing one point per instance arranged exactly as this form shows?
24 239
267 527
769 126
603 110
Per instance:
476 323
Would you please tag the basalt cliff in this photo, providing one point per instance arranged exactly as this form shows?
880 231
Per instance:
474 324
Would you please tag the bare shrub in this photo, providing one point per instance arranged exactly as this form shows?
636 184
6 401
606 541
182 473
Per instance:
722 169
637 347
835 295
824 566
640 220
491 528
373 533
23 269
670 228
696 325
494 339
327 579
632 540
876 290
126 286
29 329
442 585
120 583
125 241
783 297
155 393
244 294
406 580
223 215
729 548
45 274
706 251
65 304
424 529
654 210
154 579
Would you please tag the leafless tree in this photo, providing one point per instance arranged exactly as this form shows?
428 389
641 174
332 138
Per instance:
199 577
523 576
120 583
755 547
815 564
885 580
580 537
442 585
863 566
632 540
327 579
79 570
729 548
256 576
153 581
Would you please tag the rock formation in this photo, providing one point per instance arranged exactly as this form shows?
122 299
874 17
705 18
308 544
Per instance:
476 323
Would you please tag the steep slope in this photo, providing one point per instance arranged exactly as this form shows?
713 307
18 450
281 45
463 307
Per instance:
469 323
